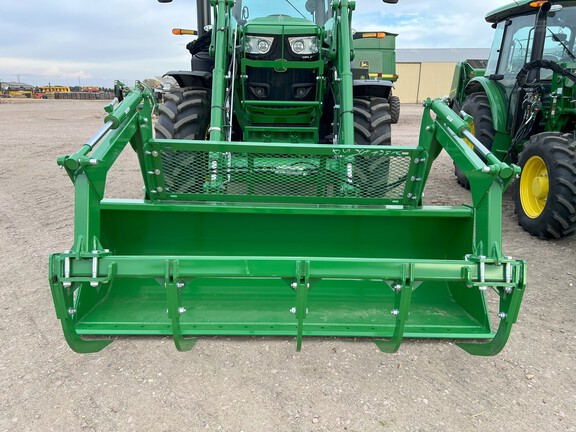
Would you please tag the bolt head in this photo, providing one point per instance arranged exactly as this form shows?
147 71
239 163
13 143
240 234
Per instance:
94 284
502 315
71 311
181 310
294 285
395 312
293 310
397 287
180 284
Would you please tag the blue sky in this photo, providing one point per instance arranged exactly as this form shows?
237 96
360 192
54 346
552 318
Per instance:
94 42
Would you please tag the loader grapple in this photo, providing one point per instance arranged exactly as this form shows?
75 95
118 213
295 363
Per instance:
280 239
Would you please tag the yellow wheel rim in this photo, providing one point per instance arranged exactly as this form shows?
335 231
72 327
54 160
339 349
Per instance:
534 187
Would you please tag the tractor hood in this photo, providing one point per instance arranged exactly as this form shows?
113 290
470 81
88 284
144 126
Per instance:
281 24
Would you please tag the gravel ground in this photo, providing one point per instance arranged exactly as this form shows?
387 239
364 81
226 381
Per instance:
255 384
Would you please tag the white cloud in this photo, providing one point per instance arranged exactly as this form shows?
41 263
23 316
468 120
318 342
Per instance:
423 24
100 40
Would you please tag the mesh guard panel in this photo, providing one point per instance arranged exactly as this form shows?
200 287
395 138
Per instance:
320 174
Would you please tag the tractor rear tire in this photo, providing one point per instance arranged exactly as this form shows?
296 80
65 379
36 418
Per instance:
545 194
394 102
372 126
478 106
185 114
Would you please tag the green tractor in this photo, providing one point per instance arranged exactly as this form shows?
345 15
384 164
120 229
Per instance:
279 78
375 58
275 205
522 106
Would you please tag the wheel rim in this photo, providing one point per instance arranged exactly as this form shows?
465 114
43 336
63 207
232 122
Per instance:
534 187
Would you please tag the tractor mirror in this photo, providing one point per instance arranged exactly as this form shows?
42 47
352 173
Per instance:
390 1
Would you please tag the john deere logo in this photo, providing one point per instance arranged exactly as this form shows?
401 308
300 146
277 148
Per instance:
282 67
365 64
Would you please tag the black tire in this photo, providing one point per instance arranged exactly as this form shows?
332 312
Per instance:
394 102
185 114
478 106
372 126
548 159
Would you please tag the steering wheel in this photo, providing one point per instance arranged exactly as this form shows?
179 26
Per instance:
542 64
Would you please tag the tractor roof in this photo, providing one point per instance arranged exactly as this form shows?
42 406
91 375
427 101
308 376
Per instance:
518 7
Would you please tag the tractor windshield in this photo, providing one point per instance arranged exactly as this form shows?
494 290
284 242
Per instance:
559 43
317 11
561 35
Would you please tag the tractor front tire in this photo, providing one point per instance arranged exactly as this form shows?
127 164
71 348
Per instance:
545 194
478 106
185 114
394 102
372 121
372 126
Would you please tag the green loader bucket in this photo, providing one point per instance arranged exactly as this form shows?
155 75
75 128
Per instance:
286 240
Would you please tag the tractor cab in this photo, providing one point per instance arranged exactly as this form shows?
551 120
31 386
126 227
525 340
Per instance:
527 34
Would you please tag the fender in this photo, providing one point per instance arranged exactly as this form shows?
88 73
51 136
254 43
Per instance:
498 102
191 78
380 88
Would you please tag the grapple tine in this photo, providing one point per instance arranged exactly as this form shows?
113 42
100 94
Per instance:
175 308
401 310
65 312
302 285
510 301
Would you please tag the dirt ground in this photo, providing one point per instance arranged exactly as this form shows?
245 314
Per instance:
256 384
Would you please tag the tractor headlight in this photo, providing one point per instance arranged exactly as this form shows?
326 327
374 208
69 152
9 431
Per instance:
258 44
304 45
